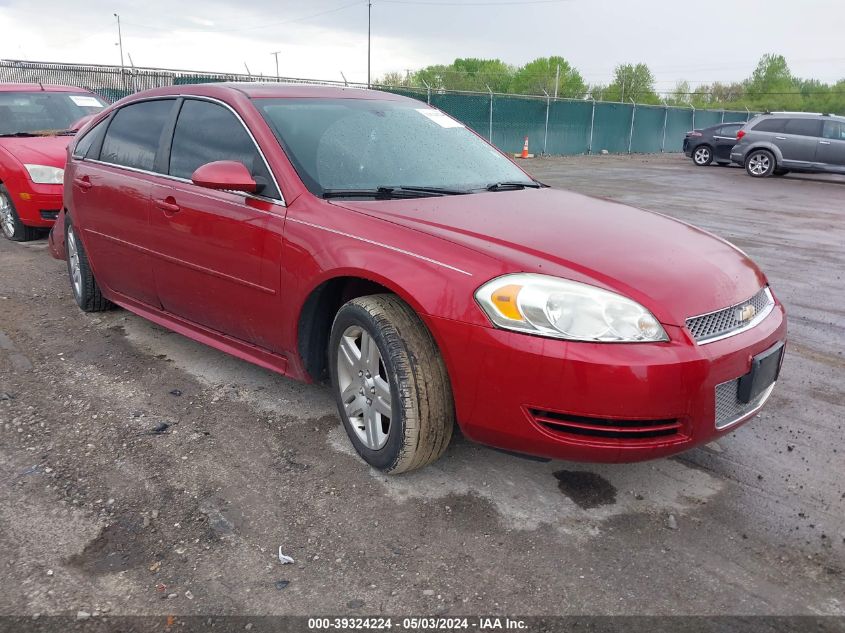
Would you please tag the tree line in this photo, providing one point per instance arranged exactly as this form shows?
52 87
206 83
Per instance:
771 86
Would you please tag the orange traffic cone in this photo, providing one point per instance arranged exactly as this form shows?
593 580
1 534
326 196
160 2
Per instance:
525 149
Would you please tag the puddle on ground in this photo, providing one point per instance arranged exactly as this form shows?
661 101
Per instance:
586 489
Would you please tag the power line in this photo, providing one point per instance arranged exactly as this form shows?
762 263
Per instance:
483 3
252 27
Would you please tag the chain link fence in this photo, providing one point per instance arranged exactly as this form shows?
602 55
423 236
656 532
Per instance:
553 126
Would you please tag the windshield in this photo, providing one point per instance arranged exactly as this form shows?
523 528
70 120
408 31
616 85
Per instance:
340 146
40 113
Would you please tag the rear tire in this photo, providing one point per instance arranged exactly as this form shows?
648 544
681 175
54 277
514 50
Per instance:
85 290
390 383
10 223
760 163
702 155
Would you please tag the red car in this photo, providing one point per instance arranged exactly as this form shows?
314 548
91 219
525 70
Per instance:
368 239
36 124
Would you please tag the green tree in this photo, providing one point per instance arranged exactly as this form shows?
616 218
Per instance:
772 86
632 81
392 78
541 74
467 74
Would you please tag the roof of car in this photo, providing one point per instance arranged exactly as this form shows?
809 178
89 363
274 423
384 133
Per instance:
259 90
4 87
803 115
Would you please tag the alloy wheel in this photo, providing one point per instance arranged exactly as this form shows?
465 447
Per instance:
73 263
364 387
7 219
759 164
702 156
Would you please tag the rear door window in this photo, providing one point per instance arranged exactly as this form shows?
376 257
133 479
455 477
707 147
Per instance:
803 127
132 139
770 125
728 130
207 132
834 130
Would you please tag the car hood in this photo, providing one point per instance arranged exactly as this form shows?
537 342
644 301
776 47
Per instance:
674 269
38 150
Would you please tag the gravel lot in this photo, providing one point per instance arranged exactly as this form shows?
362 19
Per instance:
98 514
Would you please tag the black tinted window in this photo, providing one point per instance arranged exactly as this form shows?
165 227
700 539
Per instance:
770 125
207 132
132 138
834 130
83 145
804 127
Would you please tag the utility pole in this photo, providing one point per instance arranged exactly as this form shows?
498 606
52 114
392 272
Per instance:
369 38
557 79
276 55
120 44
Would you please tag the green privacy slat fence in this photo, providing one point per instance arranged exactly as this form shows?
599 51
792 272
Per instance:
553 126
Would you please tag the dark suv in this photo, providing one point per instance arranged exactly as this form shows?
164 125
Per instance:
780 142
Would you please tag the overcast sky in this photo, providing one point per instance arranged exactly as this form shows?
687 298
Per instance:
699 41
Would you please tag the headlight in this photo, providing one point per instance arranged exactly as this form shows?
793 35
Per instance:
549 306
45 175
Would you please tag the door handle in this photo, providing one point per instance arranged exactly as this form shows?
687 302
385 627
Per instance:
83 183
167 206
780 138
824 142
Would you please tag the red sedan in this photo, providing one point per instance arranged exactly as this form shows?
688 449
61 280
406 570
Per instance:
370 240
35 129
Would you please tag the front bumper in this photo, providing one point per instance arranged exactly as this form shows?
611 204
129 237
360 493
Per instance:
546 397
37 205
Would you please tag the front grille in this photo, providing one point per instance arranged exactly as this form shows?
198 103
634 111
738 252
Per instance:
728 407
49 214
587 427
727 321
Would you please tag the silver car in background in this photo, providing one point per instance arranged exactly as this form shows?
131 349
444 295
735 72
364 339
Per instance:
773 144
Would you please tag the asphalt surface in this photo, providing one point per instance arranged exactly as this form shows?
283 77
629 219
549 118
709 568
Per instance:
100 513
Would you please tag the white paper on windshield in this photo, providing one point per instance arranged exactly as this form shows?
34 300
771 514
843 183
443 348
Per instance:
438 117
85 102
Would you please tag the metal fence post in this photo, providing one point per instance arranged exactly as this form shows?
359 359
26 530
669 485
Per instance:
546 133
747 114
665 121
490 125
592 124
428 89
693 116
631 135
723 115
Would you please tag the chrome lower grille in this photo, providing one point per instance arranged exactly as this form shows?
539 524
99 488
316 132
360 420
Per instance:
732 320
728 407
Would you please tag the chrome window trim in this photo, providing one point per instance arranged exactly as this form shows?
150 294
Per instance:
280 201
758 318
246 194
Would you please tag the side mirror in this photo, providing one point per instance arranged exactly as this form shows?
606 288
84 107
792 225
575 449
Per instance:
225 174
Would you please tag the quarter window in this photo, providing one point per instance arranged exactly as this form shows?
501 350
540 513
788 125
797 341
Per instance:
84 145
133 136
770 125
207 132
803 127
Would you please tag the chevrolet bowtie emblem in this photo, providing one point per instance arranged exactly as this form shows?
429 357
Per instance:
745 313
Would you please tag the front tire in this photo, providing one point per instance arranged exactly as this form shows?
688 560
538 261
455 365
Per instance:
85 290
390 383
760 163
702 155
10 223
